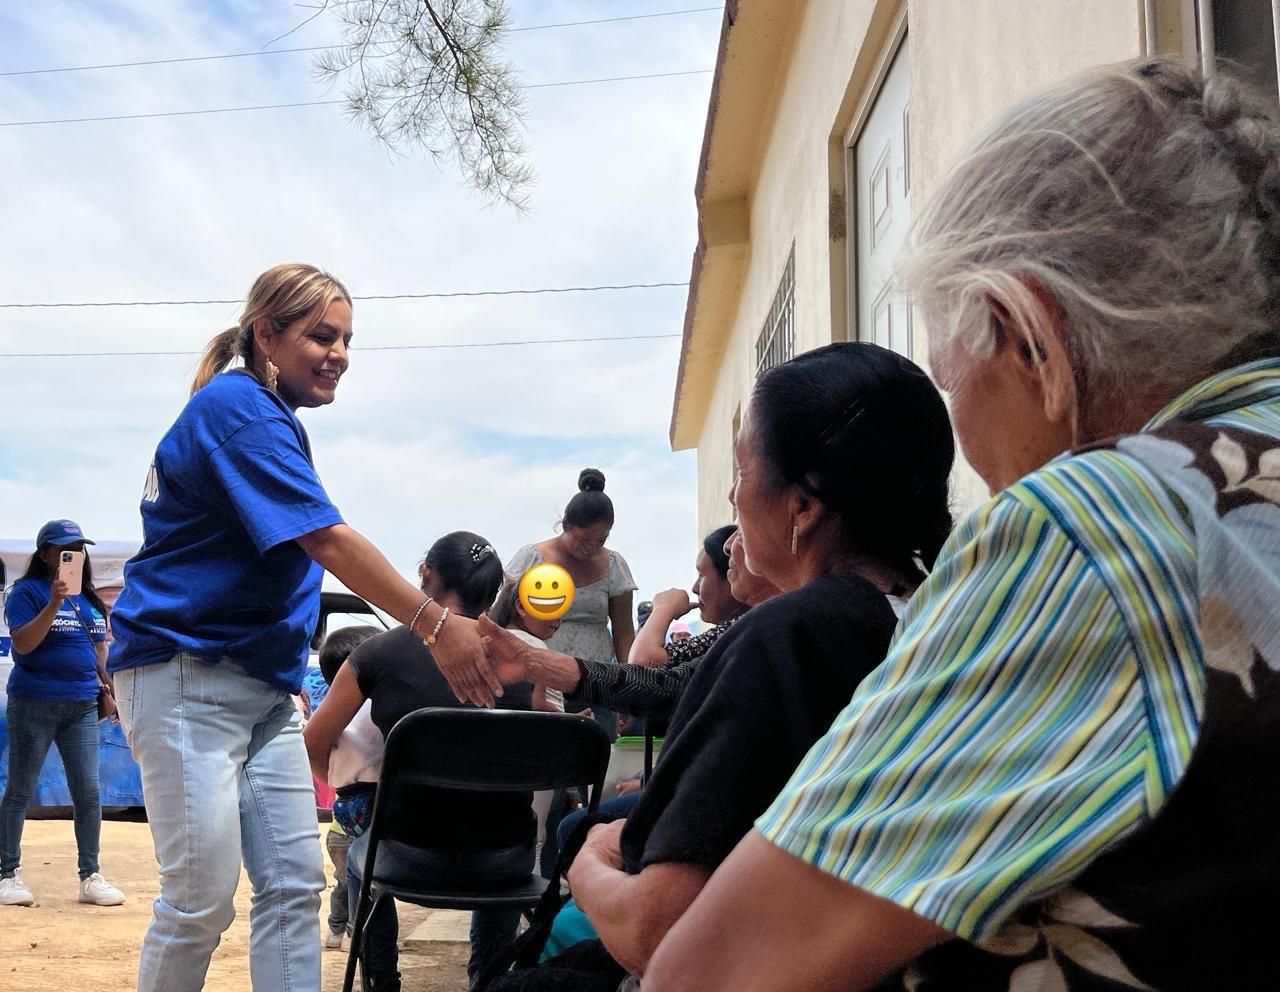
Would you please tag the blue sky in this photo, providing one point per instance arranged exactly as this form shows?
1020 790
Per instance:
418 443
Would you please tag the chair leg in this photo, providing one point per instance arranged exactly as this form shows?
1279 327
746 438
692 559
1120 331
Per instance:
364 909
353 954
366 983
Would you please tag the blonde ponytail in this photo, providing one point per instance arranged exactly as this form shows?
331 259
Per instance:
218 354
282 295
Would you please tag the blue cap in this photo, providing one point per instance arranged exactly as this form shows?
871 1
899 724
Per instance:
60 533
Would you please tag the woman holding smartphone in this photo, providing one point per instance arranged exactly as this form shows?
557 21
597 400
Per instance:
211 638
59 653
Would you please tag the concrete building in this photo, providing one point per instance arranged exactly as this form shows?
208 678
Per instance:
828 120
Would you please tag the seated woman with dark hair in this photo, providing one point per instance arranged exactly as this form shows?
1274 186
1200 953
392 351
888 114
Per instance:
715 601
396 672
844 458
1067 774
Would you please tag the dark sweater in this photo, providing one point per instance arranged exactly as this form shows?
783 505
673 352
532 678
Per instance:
763 696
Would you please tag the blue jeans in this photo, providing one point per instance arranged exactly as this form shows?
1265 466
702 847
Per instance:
617 808
225 778
34 724
492 931
551 841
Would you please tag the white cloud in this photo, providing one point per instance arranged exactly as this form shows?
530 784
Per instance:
419 442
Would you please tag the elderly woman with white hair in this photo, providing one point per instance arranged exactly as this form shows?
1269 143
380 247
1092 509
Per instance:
1066 774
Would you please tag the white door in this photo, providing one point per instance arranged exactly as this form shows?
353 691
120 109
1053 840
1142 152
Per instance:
883 211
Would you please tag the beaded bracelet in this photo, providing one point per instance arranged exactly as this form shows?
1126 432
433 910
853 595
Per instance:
414 622
430 639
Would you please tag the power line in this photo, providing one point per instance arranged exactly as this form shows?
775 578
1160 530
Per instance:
326 48
459 294
189 58
359 351
173 113
619 79
613 20
326 103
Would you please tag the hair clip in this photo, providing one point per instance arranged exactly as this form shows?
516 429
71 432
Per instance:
478 551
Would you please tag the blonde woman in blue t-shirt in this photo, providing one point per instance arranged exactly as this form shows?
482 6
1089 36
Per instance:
211 637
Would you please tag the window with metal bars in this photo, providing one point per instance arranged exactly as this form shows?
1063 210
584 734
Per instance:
777 340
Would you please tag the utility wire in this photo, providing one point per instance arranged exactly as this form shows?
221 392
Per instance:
172 113
618 79
326 103
613 20
326 48
539 291
358 351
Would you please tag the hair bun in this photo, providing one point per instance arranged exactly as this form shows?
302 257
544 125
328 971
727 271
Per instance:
591 480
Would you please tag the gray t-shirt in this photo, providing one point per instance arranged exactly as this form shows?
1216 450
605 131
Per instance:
584 631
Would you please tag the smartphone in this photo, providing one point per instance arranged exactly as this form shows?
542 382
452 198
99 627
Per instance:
71 570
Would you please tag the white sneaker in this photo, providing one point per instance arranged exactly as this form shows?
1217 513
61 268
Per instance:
13 892
334 939
96 891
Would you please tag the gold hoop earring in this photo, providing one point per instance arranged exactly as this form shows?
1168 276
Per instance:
795 539
273 375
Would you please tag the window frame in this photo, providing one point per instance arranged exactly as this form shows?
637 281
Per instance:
1195 31
884 62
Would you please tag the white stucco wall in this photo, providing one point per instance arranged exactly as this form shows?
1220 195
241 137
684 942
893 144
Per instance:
790 204
969 59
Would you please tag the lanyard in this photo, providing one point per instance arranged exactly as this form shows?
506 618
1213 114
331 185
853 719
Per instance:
76 610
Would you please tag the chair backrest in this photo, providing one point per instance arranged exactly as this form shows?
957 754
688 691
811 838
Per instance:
495 750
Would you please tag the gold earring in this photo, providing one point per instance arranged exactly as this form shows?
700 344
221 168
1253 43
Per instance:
273 375
795 539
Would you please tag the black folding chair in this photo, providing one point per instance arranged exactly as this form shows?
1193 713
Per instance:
471 750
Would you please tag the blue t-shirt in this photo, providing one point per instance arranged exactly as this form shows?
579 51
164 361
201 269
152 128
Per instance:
219 574
63 665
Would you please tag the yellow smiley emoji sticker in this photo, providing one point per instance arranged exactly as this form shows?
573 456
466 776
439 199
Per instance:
546 591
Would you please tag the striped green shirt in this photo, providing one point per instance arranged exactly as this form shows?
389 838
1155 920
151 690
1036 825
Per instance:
1041 698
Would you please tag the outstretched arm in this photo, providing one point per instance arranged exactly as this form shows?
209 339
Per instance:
514 660
634 689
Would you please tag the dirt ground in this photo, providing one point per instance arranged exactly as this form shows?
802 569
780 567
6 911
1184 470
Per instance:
60 945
